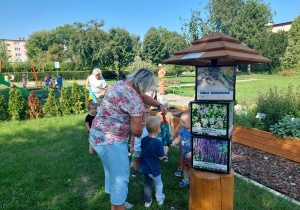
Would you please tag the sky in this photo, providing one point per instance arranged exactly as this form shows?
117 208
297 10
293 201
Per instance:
20 18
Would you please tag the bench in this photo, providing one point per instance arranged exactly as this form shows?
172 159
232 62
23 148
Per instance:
175 84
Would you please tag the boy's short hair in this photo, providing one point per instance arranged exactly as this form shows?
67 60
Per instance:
91 104
152 124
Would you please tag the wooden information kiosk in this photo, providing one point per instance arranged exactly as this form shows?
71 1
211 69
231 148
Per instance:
215 57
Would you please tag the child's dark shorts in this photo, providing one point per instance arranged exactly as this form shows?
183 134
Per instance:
185 163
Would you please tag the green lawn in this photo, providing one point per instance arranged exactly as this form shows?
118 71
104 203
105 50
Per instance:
248 86
45 164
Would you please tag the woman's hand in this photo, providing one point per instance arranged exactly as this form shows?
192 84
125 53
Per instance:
188 155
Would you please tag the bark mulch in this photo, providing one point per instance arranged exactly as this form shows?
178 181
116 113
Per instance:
275 172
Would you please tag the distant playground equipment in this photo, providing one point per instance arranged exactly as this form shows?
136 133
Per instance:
24 91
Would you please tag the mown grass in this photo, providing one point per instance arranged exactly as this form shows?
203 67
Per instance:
45 164
248 86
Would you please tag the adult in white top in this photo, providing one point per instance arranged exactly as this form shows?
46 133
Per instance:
97 83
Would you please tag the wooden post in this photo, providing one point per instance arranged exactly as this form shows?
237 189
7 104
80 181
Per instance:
211 191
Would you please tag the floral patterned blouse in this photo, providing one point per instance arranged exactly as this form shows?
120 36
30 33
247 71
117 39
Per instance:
112 121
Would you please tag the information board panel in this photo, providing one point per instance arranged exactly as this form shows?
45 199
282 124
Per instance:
211 154
212 118
215 83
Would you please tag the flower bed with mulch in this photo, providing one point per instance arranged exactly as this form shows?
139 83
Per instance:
275 172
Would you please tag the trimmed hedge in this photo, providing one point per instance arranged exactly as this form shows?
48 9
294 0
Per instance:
67 75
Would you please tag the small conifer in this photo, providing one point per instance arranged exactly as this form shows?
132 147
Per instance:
64 106
3 109
34 109
51 107
77 99
16 105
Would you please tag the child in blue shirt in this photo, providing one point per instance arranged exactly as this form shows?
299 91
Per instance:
186 153
59 82
151 155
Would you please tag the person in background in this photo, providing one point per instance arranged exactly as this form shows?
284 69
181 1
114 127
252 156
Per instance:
161 77
135 142
12 78
24 81
186 155
169 118
120 115
6 77
59 82
97 83
122 76
152 153
51 82
47 81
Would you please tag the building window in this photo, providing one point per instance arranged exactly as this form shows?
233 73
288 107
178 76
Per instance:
18 54
17 49
7 45
9 51
17 43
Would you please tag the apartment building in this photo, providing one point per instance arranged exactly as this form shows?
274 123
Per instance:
280 26
15 49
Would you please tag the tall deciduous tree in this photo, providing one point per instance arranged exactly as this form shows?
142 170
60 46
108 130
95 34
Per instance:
274 48
291 58
153 46
121 48
89 44
56 53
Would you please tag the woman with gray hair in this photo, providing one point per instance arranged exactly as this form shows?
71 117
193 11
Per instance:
97 83
119 115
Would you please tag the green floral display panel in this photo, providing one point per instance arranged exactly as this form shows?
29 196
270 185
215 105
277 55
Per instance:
211 154
215 83
212 118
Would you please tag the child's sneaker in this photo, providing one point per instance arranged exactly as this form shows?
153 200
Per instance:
178 173
161 202
135 173
148 204
128 205
184 182
166 159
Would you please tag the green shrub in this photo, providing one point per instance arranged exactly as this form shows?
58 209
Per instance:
287 73
248 119
277 104
64 106
3 109
51 107
86 98
139 63
287 127
77 99
16 105
34 108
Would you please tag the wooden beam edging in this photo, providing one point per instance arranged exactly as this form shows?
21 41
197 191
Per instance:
267 142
